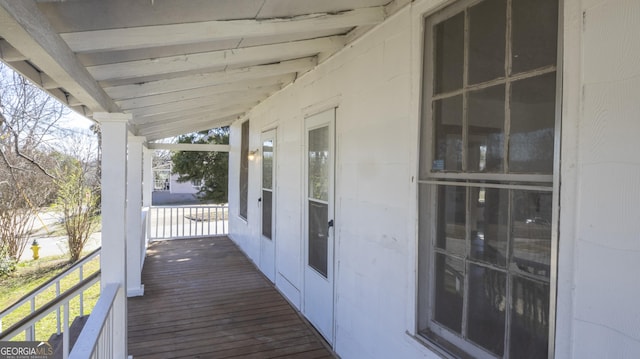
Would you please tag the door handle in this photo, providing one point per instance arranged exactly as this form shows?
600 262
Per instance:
330 223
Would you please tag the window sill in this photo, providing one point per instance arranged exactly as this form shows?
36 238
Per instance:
438 348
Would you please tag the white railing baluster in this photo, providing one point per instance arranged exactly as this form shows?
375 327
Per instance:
217 220
28 323
66 334
188 221
31 333
156 210
190 216
81 277
36 312
58 310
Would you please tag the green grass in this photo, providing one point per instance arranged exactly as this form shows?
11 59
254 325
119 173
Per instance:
29 275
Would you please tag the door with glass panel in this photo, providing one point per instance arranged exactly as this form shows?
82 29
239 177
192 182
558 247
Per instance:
268 199
319 234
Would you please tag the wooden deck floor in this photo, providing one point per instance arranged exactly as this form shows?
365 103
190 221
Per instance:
204 299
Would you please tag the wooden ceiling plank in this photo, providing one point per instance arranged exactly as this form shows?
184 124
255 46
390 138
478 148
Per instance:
28 30
178 96
204 102
186 33
209 79
183 127
177 116
212 123
232 57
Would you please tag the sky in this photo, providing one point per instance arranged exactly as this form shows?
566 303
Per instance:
74 120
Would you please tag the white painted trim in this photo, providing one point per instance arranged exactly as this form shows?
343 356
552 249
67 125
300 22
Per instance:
571 18
188 147
105 117
419 10
136 291
322 106
147 176
135 241
188 33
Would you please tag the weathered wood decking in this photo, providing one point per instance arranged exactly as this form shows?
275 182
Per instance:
204 299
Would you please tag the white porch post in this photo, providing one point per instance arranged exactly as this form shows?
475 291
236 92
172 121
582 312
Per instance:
114 248
147 174
135 241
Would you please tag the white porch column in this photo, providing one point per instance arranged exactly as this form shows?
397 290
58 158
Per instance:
135 240
114 248
147 177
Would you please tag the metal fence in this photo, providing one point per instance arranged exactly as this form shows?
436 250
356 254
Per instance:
169 222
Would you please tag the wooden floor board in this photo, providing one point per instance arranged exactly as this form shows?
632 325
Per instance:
204 299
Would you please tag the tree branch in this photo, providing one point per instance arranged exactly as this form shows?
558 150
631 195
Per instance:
22 155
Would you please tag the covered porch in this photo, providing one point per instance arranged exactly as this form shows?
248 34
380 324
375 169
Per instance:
353 162
205 299
150 70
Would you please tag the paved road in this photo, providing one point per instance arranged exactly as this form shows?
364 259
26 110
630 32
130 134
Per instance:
53 245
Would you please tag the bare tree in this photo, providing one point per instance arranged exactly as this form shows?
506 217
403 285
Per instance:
28 118
78 199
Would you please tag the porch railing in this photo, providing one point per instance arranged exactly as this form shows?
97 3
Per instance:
32 298
95 340
60 302
166 222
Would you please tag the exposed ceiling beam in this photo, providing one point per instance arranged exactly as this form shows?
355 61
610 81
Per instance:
210 102
187 115
27 29
177 34
233 57
204 92
9 53
152 136
196 147
205 123
209 79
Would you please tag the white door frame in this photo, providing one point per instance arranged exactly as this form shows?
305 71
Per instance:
318 295
267 260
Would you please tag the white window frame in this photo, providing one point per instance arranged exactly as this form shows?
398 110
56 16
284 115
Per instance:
243 191
428 181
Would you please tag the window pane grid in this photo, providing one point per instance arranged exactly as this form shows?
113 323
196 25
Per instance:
492 138
442 161
471 290
500 81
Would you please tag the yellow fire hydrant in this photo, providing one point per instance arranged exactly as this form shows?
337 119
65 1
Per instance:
35 248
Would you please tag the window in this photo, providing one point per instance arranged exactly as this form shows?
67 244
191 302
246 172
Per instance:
197 184
487 178
244 169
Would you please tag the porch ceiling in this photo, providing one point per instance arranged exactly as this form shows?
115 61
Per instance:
177 65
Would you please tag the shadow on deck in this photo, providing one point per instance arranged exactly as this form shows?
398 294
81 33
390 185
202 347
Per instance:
204 299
